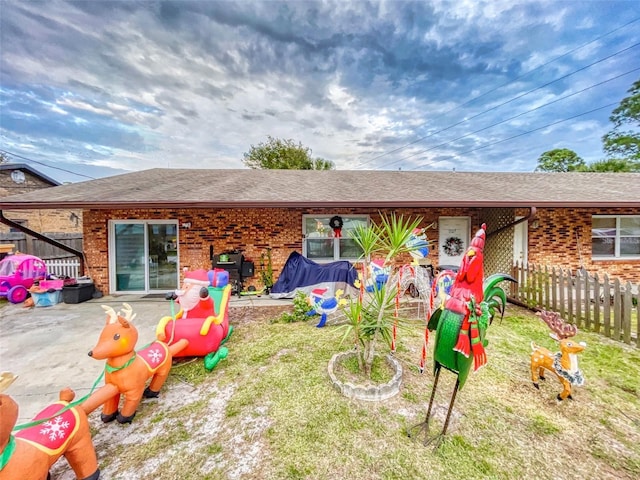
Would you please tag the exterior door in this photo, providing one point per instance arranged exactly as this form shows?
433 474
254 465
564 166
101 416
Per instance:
453 240
143 256
520 242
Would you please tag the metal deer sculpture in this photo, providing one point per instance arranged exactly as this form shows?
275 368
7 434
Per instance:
461 323
126 371
563 364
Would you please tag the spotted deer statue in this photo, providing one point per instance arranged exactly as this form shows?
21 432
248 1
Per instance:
563 364
127 371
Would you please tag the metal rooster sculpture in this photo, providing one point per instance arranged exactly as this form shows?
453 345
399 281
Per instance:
461 323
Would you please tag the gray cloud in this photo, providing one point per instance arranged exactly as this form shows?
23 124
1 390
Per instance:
352 80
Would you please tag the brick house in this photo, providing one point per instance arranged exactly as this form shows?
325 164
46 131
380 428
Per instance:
141 229
18 178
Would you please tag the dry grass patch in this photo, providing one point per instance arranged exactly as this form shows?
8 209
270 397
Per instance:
269 412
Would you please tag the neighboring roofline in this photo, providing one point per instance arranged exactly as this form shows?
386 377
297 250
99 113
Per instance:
282 204
31 170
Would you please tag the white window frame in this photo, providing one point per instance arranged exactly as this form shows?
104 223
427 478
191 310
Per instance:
336 240
112 248
616 255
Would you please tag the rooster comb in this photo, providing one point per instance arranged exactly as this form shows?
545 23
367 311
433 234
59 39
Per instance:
478 240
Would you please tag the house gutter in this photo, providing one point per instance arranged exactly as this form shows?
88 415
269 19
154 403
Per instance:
531 216
45 239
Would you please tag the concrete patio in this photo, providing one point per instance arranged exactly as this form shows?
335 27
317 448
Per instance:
47 346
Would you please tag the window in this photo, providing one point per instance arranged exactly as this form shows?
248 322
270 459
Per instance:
24 223
615 236
320 243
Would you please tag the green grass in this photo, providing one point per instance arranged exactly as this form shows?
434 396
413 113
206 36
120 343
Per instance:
280 417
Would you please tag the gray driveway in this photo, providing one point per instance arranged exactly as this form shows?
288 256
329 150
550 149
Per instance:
47 346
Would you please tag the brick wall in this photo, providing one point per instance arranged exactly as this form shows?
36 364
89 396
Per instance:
562 238
253 230
248 230
60 221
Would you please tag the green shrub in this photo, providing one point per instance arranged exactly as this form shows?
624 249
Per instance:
300 308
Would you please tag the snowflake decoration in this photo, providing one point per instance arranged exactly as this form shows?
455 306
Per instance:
155 356
55 429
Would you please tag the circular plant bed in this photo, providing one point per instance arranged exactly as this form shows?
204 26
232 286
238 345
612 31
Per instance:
370 391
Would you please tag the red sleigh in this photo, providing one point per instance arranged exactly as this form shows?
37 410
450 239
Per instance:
206 329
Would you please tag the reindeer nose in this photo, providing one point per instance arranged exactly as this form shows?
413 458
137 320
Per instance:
90 353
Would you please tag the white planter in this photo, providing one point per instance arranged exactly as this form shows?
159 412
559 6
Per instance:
372 393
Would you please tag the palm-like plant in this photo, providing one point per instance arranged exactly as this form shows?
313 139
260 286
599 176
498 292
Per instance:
372 315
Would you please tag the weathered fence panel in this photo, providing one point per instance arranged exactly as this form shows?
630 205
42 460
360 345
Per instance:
604 305
27 244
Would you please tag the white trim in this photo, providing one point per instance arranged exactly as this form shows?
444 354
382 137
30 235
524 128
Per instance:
336 241
112 248
616 256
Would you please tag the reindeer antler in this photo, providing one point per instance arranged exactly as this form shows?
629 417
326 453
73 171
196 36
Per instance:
558 325
128 312
113 316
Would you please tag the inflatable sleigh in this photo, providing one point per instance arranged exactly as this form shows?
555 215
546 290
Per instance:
203 318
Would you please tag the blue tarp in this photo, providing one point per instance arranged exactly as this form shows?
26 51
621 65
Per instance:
301 274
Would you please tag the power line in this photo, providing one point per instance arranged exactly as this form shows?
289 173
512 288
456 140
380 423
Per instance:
524 133
45 165
514 117
497 88
533 90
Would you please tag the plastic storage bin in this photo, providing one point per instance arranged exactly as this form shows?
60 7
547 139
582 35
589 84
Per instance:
77 293
46 299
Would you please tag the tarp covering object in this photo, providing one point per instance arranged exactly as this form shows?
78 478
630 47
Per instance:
301 274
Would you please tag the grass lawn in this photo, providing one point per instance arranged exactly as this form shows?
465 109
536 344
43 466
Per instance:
269 412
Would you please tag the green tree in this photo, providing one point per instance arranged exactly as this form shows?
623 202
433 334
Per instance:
560 160
613 165
625 144
284 154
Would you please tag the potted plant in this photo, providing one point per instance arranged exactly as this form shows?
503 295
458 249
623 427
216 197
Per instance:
371 316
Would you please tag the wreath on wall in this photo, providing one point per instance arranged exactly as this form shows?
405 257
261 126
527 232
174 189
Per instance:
336 224
453 246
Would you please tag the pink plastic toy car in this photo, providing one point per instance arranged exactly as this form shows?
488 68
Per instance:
17 274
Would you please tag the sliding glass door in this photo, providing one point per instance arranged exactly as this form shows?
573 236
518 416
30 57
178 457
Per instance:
144 255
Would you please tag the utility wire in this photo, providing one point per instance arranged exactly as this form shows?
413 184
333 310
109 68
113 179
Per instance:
493 90
514 117
523 133
531 91
45 165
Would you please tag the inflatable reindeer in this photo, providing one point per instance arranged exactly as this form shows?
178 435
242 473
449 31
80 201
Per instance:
564 364
126 370
56 431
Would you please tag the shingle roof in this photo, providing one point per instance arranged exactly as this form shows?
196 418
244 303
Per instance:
211 188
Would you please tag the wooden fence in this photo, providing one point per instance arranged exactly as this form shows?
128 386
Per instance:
594 303
27 244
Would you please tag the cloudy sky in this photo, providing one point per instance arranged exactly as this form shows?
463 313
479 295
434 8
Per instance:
96 88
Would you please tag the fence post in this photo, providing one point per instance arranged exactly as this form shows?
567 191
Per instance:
561 281
570 310
596 303
554 289
606 305
578 305
617 309
625 321
587 299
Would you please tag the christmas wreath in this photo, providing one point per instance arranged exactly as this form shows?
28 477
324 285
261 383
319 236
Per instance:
336 224
453 246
